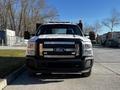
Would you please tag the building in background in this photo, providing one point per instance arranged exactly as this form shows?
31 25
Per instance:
9 38
2 38
111 39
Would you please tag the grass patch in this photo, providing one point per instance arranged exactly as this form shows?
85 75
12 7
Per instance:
12 53
10 60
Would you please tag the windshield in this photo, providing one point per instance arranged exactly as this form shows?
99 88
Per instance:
59 29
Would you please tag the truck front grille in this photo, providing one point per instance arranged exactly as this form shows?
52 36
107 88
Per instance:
59 48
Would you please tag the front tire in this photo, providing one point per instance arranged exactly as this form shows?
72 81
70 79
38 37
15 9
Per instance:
31 72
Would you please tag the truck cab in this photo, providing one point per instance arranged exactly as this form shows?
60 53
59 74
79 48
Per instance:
59 47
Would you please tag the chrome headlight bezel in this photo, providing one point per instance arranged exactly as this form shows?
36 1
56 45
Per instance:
87 49
87 46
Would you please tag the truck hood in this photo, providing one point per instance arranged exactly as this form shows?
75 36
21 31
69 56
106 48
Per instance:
57 36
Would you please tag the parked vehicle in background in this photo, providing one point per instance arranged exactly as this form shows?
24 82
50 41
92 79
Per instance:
111 39
92 37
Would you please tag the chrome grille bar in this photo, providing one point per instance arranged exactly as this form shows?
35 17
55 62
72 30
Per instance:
66 49
71 43
59 56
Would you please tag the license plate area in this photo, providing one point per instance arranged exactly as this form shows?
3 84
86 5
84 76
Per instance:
59 50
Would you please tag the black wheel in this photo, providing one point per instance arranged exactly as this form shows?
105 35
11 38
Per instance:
31 73
86 74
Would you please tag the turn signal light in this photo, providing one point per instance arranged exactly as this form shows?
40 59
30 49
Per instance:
77 49
41 49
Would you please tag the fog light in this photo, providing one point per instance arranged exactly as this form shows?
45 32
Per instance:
45 53
88 52
88 63
73 53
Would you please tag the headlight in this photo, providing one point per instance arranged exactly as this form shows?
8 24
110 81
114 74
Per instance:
87 50
31 48
87 46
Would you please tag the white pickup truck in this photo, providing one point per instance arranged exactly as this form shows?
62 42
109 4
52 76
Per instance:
59 47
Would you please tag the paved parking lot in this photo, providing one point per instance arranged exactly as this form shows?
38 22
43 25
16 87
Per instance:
105 76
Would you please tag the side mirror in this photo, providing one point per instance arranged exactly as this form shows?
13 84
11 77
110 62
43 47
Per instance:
26 35
87 37
38 25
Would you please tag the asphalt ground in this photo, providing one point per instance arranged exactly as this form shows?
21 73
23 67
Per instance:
105 76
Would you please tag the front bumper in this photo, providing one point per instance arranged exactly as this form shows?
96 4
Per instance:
59 65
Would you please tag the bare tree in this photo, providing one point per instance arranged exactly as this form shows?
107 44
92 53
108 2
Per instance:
11 13
3 15
22 15
88 28
112 21
92 30
97 27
